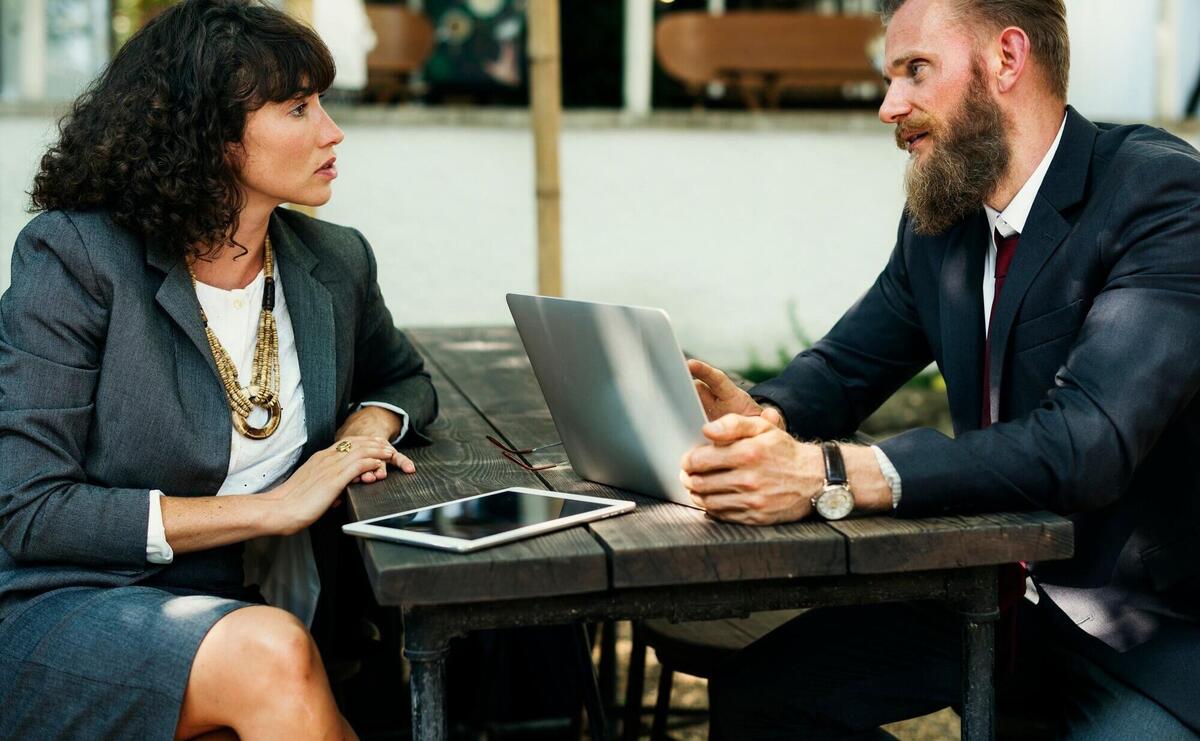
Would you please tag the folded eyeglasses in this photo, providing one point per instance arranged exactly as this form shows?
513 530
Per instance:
514 454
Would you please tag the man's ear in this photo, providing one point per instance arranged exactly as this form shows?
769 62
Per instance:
1013 57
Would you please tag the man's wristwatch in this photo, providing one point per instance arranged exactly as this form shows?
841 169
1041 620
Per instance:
834 501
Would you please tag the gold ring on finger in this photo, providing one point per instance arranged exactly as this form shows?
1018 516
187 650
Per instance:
344 446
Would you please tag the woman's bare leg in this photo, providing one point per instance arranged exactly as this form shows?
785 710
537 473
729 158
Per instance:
258 674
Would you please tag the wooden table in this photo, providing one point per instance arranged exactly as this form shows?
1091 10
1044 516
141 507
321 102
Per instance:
662 560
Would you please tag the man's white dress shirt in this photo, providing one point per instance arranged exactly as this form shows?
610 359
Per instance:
1011 221
282 566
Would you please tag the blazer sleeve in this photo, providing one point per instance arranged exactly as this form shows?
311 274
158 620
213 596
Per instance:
1134 367
878 344
387 367
53 325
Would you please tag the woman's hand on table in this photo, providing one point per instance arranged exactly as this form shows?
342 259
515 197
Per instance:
376 422
317 485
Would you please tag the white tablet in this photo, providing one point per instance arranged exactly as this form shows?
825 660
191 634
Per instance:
485 520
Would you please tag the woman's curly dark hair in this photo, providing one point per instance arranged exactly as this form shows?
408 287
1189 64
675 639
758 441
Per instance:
148 139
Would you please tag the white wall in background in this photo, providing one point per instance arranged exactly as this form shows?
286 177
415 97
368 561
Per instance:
724 229
22 141
1186 43
1114 72
721 228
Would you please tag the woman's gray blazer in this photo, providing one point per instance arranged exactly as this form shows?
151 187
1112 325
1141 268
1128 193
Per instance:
108 388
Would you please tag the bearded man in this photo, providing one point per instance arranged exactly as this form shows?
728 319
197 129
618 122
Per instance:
1051 268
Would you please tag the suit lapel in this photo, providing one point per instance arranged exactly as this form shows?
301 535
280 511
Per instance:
1045 230
207 405
310 306
177 297
962 321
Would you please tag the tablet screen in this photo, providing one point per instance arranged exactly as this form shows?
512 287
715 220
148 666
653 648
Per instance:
480 517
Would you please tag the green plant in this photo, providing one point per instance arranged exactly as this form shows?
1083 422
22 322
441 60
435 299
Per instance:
759 370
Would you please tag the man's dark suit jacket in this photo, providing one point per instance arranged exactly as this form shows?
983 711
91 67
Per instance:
1094 373
108 387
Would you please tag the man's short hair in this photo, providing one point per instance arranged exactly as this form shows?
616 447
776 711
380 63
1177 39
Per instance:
1044 21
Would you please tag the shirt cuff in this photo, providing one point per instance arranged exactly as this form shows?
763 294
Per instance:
890 474
391 408
158 550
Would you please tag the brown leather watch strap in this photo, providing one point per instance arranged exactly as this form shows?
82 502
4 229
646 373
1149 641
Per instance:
835 467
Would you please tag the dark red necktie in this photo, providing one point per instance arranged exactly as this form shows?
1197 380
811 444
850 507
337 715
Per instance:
1012 576
1006 247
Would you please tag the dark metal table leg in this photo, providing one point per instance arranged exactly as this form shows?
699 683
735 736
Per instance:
426 653
608 664
632 726
597 723
980 612
662 704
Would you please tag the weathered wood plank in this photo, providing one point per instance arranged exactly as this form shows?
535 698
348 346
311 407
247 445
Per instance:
886 544
460 463
665 543
659 543
488 365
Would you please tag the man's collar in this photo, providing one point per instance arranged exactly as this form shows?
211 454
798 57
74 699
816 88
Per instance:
1012 219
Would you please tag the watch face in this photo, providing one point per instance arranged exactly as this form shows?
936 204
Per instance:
834 502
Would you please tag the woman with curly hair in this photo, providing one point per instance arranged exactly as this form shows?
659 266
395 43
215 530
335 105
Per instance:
171 336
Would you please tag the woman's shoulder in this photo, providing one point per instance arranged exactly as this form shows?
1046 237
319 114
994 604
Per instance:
60 252
329 242
89 236
60 222
317 233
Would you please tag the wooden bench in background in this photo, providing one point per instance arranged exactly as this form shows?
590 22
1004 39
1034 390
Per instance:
762 54
404 41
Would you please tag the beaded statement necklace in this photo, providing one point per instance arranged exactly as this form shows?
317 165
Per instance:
263 391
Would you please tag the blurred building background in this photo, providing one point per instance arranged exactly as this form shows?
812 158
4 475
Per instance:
749 205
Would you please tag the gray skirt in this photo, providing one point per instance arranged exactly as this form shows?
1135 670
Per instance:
85 662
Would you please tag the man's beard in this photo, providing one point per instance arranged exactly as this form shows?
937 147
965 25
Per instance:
965 161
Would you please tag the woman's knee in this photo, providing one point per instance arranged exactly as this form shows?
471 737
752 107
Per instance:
260 654
258 671
273 652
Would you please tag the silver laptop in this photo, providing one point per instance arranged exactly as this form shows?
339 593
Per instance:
618 388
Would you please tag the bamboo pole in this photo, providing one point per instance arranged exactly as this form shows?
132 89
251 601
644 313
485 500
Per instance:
546 99
638 74
31 80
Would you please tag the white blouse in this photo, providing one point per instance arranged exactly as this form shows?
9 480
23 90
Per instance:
282 566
